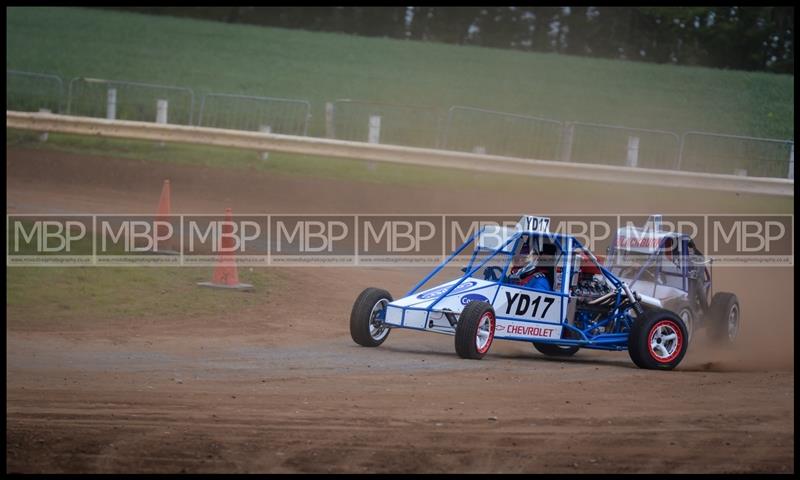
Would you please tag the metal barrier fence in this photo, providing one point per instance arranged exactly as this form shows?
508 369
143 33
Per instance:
267 114
384 123
30 92
617 145
295 144
112 99
497 133
736 155
464 128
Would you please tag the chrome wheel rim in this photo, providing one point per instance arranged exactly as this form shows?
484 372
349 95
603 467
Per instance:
733 322
483 338
377 329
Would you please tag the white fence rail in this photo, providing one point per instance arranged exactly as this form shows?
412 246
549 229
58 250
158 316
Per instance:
44 122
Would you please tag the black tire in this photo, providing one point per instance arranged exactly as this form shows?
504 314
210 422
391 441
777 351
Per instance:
469 323
362 328
552 350
642 337
724 318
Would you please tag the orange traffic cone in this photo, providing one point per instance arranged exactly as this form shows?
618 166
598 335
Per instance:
164 201
165 245
226 274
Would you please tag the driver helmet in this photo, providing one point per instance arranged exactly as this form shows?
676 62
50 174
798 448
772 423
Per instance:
525 264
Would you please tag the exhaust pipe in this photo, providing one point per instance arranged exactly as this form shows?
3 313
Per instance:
601 299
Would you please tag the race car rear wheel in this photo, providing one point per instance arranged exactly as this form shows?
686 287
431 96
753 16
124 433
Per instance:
475 330
658 340
685 312
552 350
724 318
367 327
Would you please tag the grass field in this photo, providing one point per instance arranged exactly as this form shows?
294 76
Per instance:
321 67
81 296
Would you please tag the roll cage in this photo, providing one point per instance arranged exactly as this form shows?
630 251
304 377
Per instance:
601 323
675 262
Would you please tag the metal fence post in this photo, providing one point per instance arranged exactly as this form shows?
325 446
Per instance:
70 94
633 152
374 135
791 163
202 109
161 114
265 129
329 133
680 151
161 111
111 104
43 135
191 106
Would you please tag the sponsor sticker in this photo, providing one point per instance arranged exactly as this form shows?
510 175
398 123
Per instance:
473 297
506 328
438 291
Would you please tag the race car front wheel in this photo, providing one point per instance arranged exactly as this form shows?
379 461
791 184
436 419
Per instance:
367 325
475 330
658 340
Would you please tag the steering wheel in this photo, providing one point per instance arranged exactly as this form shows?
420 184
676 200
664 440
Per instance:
492 273
489 273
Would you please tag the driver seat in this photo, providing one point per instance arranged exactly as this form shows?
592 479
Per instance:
547 261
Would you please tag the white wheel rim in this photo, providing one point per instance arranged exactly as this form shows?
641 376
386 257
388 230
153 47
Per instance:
377 330
484 335
733 322
664 341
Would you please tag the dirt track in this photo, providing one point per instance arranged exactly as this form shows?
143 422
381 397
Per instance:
282 387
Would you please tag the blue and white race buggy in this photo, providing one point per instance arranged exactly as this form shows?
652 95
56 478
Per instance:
570 301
